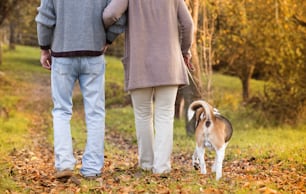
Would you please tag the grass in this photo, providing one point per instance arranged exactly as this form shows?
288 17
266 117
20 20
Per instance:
14 123
284 142
250 139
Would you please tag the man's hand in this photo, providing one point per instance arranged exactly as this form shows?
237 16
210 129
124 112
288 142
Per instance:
105 48
45 59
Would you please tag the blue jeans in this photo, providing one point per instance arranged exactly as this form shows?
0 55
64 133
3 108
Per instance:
89 72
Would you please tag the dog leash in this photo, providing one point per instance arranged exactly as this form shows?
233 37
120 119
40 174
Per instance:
191 78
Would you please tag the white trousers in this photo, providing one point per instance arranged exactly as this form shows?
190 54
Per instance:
154 116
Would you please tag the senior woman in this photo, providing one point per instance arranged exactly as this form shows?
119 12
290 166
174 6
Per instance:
158 38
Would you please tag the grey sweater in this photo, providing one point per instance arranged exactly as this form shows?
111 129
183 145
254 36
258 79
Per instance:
74 27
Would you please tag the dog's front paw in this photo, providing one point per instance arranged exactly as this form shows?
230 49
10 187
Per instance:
196 166
195 162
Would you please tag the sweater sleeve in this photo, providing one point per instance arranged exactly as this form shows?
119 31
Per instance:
45 20
186 28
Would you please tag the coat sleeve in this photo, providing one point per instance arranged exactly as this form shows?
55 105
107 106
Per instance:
186 27
45 20
115 18
116 29
114 10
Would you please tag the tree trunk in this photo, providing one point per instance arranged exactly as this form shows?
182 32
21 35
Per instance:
12 36
1 51
194 48
245 89
245 80
208 30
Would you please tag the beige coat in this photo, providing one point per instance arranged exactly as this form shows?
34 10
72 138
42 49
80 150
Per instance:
153 49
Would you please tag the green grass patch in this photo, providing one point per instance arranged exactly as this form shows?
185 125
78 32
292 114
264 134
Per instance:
281 144
21 60
114 86
19 66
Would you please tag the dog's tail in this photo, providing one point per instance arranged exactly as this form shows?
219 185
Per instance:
199 104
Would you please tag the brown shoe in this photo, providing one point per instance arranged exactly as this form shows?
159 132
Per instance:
64 174
92 177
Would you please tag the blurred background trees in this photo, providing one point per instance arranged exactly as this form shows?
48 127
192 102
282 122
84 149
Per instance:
17 25
263 39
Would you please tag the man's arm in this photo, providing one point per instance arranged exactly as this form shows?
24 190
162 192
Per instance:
45 20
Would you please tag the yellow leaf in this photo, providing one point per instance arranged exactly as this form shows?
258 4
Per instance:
247 184
266 190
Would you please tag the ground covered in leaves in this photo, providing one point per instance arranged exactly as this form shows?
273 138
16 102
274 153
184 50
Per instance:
33 171
32 167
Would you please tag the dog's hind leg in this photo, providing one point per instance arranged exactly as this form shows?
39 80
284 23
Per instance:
217 166
201 152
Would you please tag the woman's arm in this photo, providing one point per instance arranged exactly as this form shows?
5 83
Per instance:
114 11
186 28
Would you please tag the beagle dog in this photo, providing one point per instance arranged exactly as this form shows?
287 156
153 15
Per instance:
212 130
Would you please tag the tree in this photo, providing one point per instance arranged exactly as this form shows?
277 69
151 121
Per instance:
260 35
241 37
22 23
285 94
5 9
